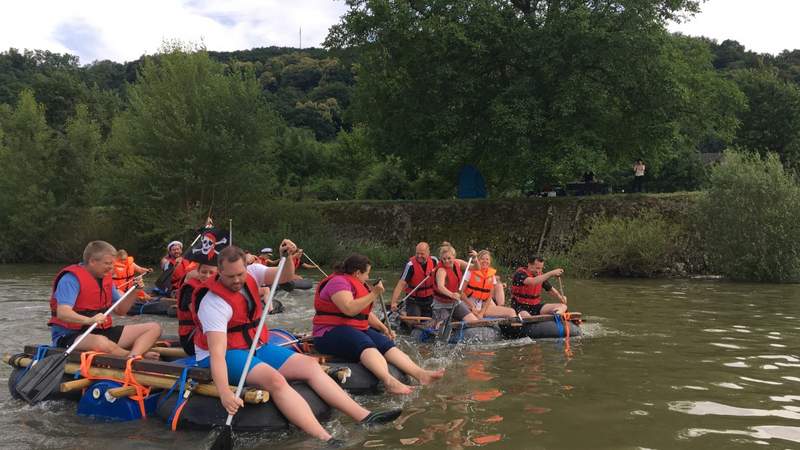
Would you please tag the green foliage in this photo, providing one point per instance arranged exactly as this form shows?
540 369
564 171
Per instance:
385 180
29 206
752 219
645 245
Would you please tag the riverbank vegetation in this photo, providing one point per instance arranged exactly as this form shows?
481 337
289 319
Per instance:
404 95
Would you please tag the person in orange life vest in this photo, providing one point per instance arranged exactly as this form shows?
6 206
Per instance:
449 273
81 295
481 285
265 257
345 326
228 312
416 269
124 271
527 285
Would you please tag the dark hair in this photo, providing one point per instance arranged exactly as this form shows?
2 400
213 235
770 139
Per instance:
534 259
229 255
353 263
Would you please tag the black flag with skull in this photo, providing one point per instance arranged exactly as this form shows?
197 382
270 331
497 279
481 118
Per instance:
211 242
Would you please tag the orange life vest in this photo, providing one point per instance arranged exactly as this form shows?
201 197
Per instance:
94 297
123 273
480 283
419 273
244 321
451 281
327 313
526 294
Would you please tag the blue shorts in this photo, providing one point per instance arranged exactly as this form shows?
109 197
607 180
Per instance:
348 343
270 354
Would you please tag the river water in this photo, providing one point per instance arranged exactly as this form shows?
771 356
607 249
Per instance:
696 364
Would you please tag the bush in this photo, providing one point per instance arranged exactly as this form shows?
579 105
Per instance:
751 217
639 246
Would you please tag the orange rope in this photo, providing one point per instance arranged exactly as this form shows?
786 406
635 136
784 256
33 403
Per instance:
177 414
565 317
128 379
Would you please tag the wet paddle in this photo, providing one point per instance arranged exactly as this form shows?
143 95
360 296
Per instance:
383 308
221 437
44 376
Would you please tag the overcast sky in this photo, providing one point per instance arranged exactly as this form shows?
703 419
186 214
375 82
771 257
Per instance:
123 31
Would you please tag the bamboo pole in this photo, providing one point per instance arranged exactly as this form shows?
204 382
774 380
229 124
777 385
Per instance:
253 396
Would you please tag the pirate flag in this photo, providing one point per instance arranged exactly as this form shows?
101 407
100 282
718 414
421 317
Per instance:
212 241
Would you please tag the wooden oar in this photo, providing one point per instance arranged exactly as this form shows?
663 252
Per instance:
315 264
44 376
221 437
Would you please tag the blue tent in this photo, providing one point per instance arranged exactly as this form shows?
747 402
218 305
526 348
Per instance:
471 183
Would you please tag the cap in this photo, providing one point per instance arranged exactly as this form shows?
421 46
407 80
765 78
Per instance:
169 246
266 250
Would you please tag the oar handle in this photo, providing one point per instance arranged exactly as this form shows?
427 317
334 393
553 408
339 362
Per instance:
415 289
94 325
464 277
240 386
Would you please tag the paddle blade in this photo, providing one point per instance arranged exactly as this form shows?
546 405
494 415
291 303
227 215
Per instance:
220 438
42 379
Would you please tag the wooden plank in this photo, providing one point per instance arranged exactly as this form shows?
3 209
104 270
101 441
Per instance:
513 321
142 365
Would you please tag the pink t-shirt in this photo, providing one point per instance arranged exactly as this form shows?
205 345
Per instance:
336 284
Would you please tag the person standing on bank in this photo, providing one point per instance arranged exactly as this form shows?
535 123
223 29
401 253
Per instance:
226 310
527 285
418 267
638 175
82 293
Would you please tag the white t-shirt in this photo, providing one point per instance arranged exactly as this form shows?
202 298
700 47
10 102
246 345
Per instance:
215 313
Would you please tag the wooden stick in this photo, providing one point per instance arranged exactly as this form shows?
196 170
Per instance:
125 391
415 318
76 385
253 396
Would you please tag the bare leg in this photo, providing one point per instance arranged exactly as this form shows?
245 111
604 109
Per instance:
300 367
500 311
288 401
554 308
139 338
372 359
405 364
97 343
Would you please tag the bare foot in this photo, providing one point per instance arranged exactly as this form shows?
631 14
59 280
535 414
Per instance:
151 355
429 376
398 388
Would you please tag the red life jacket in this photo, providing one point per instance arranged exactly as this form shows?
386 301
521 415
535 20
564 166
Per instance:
244 321
181 269
480 284
419 273
451 281
526 294
94 297
186 325
327 313
296 261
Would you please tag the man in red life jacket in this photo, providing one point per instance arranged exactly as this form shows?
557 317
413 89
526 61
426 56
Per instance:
527 285
228 310
81 295
420 266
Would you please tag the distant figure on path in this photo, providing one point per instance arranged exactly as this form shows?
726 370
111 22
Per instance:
638 176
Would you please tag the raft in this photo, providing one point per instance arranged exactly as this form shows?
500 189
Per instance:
302 284
165 306
494 329
108 399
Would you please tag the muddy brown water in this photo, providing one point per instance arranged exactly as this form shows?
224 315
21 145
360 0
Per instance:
696 364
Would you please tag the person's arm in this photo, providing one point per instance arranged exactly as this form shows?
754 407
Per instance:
67 314
123 308
402 283
217 346
376 323
353 306
140 270
539 279
288 268
499 292
557 295
441 281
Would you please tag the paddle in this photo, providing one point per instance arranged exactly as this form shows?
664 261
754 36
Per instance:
315 264
221 437
44 376
458 302
383 308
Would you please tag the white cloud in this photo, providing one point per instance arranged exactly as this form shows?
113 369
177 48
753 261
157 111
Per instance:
123 31
765 26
